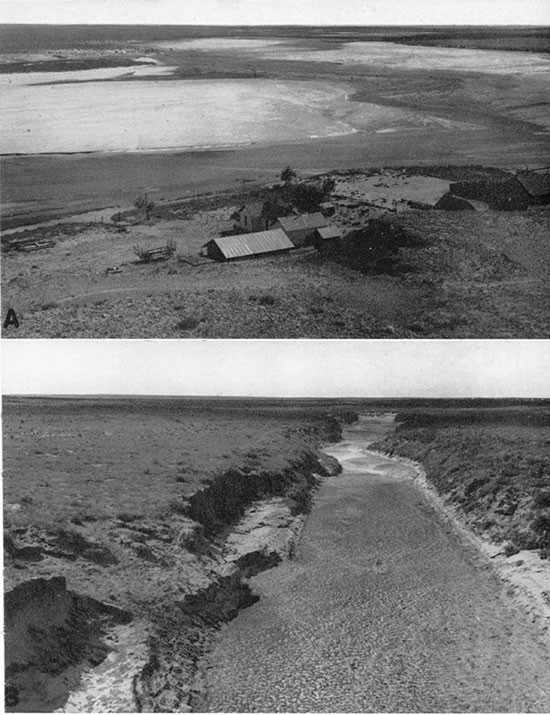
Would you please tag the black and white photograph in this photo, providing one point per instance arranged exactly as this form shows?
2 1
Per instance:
199 528
275 356
261 169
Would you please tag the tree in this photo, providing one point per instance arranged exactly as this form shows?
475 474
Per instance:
328 186
142 204
287 175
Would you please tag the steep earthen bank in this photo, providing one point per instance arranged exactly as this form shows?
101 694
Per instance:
178 579
494 466
385 609
488 472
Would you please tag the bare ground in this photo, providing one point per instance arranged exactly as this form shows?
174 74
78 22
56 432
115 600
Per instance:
470 274
384 609
116 516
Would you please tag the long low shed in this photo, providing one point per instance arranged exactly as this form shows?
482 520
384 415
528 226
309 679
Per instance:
248 244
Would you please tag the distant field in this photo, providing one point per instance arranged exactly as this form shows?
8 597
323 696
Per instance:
91 460
27 38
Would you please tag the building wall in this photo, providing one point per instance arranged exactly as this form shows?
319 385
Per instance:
212 251
252 223
299 237
453 203
501 195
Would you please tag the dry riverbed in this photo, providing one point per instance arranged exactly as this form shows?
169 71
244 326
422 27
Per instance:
385 608
155 589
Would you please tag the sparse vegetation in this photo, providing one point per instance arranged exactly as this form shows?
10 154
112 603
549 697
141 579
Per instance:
375 247
188 323
144 206
287 175
495 468
401 274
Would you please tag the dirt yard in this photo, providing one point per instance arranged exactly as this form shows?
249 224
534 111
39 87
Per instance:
478 274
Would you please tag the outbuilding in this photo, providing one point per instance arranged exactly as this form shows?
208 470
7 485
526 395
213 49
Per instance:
250 217
450 202
536 185
327 208
327 238
302 229
246 245
505 195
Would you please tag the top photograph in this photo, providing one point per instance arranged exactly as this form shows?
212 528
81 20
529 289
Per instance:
273 175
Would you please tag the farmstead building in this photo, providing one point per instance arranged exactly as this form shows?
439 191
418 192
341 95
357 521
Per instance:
302 229
250 217
247 245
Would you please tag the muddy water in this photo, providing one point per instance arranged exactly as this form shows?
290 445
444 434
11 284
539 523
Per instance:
384 608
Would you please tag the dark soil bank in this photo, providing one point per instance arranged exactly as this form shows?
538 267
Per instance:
117 516
494 466
383 610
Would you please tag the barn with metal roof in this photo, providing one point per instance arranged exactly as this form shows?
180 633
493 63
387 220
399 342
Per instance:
246 245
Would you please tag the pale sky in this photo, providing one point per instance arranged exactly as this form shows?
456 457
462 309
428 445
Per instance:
281 12
318 368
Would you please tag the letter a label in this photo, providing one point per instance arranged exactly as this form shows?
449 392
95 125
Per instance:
11 319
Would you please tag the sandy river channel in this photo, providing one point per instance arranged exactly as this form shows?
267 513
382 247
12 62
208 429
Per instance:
384 609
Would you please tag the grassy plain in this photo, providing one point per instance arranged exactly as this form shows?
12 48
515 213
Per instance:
493 465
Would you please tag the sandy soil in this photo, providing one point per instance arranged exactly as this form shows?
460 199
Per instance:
474 274
103 494
505 110
137 116
406 615
403 106
106 493
526 572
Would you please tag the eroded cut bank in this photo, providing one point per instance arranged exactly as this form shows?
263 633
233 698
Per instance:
69 652
385 608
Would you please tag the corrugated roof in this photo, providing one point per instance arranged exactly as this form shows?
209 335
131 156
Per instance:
298 223
327 232
535 184
250 244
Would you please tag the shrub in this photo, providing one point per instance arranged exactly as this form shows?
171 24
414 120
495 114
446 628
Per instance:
188 323
375 247
126 517
542 499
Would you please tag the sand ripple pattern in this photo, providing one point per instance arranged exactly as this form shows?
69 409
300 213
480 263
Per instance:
384 609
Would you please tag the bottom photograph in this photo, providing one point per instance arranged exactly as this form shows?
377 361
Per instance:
276 527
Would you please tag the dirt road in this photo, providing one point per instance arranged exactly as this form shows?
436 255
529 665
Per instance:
383 609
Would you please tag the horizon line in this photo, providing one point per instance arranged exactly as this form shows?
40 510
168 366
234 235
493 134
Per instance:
188 24
266 397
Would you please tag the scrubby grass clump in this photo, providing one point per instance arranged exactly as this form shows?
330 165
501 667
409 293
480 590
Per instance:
497 473
375 248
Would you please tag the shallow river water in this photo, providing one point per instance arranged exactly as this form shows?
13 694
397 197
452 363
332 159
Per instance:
383 609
